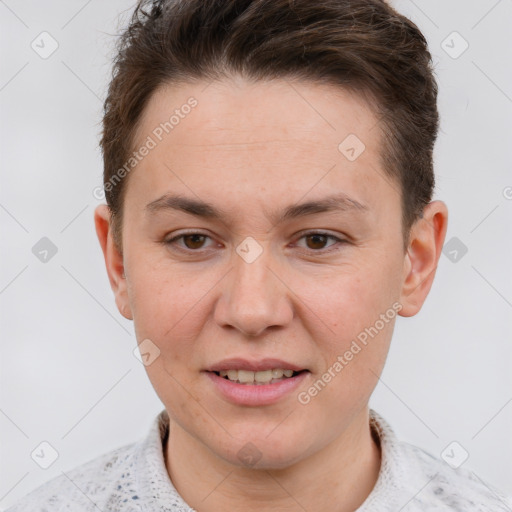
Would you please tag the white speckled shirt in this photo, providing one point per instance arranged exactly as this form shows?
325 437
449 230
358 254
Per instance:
134 478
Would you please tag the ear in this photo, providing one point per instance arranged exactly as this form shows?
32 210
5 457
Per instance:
424 249
113 260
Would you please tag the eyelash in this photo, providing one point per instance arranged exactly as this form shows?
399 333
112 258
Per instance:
172 241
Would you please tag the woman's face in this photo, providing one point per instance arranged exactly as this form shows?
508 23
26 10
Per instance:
237 275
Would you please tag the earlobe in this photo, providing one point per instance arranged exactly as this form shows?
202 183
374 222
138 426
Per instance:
422 256
113 260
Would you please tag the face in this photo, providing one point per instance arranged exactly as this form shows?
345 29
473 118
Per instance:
257 237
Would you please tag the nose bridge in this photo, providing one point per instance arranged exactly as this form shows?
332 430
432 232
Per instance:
254 298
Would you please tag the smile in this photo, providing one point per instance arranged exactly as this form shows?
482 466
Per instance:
248 377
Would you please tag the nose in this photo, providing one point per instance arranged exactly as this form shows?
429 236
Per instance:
254 297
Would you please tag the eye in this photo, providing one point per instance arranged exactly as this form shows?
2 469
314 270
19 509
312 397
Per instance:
193 241
316 240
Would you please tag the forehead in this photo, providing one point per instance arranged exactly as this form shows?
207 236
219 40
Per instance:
260 139
239 111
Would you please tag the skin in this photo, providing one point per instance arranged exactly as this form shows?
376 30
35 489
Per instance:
252 149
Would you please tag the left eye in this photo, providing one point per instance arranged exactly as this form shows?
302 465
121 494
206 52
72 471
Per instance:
318 240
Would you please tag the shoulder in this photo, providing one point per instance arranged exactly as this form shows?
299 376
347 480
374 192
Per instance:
413 480
103 483
447 488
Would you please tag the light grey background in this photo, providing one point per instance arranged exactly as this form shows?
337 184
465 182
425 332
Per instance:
68 373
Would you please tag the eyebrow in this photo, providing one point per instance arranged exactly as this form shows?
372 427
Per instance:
339 202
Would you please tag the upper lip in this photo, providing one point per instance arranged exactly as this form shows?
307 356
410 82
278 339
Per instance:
255 366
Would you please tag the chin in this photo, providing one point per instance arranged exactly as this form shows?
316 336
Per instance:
262 453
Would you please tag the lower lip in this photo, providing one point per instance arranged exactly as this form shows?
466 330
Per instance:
256 394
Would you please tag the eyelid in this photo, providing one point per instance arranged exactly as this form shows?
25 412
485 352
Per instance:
305 232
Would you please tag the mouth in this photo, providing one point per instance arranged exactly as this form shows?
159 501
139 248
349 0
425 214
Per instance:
256 383
258 378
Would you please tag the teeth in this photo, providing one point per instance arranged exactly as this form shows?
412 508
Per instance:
262 377
265 376
245 377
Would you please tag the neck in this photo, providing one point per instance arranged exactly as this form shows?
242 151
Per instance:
343 473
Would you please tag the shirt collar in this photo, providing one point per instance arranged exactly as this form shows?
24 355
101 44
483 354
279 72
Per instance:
157 492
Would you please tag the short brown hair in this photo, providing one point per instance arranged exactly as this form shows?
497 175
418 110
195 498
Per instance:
362 45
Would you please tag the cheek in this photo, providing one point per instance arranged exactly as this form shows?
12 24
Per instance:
167 312
349 299
360 307
162 294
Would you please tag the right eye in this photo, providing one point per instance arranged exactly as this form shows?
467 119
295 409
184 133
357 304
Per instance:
193 241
